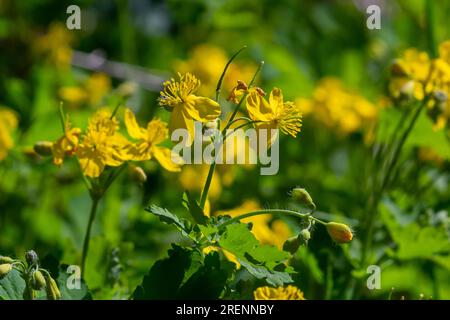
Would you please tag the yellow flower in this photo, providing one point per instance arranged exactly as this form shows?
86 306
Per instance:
281 293
102 145
92 90
56 45
337 107
274 113
179 98
148 140
192 178
207 62
67 144
8 122
339 232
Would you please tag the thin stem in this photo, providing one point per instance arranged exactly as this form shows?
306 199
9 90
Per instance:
62 117
219 83
270 211
205 191
95 201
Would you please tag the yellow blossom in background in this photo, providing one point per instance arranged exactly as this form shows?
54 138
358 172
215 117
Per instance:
102 145
275 233
427 154
337 107
231 257
192 178
91 91
148 140
281 293
8 123
179 98
274 113
56 45
67 144
207 63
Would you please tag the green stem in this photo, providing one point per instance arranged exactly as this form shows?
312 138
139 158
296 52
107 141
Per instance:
205 191
219 83
270 211
429 11
95 201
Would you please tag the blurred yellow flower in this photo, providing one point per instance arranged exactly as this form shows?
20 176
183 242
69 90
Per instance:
338 108
148 140
56 44
67 144
179 98
231 257
281 293
274 113
8 123
102 145
193 177
275 233
207 62
92 90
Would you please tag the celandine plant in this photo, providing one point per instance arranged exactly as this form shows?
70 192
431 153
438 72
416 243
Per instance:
205 265
202 267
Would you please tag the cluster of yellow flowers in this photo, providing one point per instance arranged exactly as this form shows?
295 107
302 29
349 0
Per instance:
418 76
337 107
103 145
281 293
209 72
92 90
8 122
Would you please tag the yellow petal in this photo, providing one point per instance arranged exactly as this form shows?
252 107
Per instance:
132 126
202 109
181 120
168 160
258 108
90 162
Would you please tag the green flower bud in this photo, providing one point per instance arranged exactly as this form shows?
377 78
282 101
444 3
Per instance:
138 174
304 236
291 245
4 259
5 269
43 148
31 257
303 197
339 232
52 289
37 280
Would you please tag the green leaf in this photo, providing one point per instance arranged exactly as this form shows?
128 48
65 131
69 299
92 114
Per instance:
262 261
415 241
195 210
183 275
68 287
12 286
167 217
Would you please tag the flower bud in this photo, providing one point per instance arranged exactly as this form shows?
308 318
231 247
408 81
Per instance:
291 245
31 257
5 269
52 290
37 280
127 89
302 196
304 235
4 259
339 232
138 174
43 148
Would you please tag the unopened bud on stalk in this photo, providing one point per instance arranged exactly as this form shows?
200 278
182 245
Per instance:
291 245
5 269
339 232
52 289
302 196
304 236
4 259
138 174
31 257
127 89
43 148
38 280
